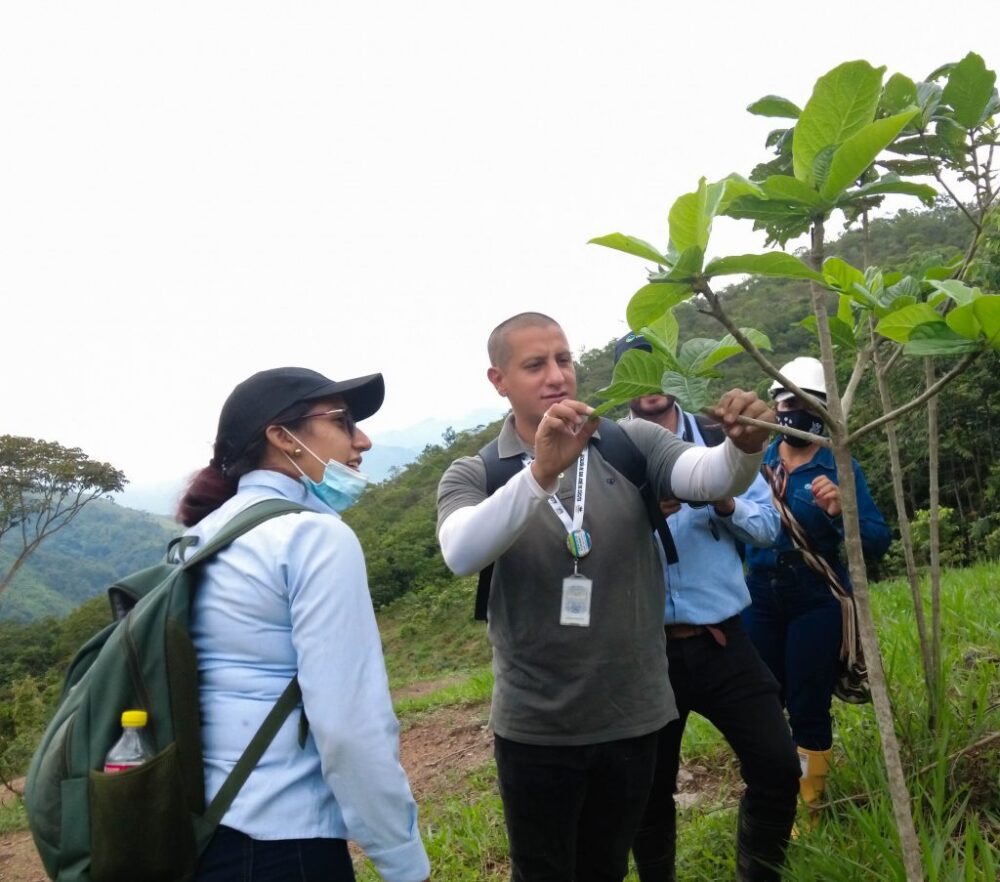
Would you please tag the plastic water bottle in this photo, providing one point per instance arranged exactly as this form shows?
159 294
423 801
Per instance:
133 748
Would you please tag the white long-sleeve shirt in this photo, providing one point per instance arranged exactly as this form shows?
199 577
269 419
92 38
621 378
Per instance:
291 597
471 538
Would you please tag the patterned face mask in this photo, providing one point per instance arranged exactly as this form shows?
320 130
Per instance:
802 420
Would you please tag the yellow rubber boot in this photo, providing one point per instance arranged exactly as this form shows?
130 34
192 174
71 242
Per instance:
815 767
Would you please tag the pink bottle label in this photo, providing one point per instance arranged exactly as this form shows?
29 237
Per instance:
120 767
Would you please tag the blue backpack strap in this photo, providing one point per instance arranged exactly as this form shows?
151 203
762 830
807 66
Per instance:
619 451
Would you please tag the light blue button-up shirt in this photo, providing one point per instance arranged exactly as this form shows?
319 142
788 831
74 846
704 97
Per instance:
706 585
291 597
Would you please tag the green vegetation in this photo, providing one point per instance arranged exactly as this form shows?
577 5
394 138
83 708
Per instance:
104 542
957 782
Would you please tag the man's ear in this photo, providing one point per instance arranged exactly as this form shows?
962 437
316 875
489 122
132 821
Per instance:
495 376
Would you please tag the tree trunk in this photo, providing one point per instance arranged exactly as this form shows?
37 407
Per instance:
934 525
906 538
909 844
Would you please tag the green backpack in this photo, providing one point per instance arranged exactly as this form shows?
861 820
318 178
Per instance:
149 823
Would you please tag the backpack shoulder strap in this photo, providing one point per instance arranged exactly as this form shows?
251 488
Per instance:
498 472
242 523
711 430
247 762
620 451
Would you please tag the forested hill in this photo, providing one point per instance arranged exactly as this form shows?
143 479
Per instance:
105 541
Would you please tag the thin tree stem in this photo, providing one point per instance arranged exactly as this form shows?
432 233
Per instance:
916 402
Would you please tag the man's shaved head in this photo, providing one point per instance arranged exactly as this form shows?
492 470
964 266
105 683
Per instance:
498 347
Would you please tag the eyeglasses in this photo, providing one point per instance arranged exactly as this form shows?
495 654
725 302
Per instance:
340 415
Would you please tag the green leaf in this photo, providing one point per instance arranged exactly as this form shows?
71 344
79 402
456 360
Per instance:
928 100
821 165
957 291
844 311
654 299
692 393
860 150
899 325
936 338
906 287
665 329
630 245
841 332
944 272
693 352
969 89
785 188
692 214
962 320
843 102
841 276
899 93
909 167
774 263
775 105
637 373
891 183
735 186
727 347
987 310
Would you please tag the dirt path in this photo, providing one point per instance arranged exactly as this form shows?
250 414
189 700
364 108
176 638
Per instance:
435 749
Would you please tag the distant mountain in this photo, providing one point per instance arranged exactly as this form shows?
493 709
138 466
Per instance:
391 450
432 430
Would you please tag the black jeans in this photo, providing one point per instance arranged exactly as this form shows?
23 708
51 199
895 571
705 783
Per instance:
232 856
571 812
734 690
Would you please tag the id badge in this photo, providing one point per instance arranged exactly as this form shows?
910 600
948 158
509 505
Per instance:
576 601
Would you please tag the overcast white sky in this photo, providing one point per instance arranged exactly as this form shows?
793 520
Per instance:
193 191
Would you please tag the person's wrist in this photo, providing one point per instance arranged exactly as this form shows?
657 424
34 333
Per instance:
548 481
724 507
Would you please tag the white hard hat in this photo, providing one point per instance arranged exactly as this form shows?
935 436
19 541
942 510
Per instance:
806 373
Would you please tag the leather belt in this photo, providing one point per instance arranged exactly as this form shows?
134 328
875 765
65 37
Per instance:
682 632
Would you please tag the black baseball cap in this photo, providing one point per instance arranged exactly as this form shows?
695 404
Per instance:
255 402
631 341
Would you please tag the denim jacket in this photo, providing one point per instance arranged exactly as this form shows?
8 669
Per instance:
826 533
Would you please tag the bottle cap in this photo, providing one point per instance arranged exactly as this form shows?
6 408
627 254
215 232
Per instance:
134 718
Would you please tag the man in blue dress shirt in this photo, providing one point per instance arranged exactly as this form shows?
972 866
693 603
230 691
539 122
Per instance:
714 669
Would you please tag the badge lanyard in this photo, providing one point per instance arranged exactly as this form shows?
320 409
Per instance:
577 539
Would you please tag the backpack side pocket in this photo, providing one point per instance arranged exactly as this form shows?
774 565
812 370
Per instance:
140 826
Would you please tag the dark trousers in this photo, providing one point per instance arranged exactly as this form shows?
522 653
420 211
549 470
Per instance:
794 621
571 812
232 856
733 689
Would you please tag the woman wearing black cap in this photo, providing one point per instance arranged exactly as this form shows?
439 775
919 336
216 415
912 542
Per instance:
290 598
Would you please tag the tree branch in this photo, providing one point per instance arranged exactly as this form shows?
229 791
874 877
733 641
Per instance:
719 314
929 392
860 363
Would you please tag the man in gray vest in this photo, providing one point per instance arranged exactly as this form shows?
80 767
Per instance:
575 608
714 669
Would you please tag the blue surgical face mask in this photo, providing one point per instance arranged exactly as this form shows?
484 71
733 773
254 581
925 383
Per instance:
341 486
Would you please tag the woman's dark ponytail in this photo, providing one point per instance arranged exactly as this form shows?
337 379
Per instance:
220 479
